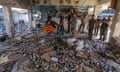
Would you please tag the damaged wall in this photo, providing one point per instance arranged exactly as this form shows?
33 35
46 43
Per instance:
7 13
116 23
100 7
103 1
65 2
16 3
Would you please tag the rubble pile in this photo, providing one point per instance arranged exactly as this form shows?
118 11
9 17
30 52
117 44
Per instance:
55 54
117 41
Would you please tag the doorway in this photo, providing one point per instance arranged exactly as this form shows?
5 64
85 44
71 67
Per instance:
2 25
20 20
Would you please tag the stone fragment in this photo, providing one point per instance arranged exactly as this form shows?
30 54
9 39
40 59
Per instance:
80 70
46 57
88 69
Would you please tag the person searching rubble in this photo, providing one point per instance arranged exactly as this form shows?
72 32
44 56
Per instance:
50 27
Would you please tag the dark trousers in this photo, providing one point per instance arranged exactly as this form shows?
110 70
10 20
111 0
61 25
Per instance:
103 34
96 31
68 28
81 28
60 30
90 32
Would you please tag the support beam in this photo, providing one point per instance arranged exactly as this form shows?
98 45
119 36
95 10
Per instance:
115 28
113 4
8 21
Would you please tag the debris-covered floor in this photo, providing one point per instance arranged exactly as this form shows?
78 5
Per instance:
52 53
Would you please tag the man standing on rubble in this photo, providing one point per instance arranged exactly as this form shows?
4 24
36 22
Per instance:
49 17
73 24
82 25
60 28
103 29
69 22
97 25
92 22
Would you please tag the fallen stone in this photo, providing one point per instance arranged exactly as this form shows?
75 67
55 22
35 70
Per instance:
55 59
80 45
44 50
30 35
88 69
114 64
4 60
52 53
46 57
80 70
54 69
15 67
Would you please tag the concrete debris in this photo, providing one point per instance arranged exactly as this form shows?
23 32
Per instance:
55 59
114 64
46 57
15 67
116 42
3 59
56 54
88 69
71 41
80 45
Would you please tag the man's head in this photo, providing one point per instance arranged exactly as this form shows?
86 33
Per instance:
93 16
98 17
74 15
109 17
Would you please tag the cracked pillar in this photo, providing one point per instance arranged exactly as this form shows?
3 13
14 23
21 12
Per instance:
8 21
116 23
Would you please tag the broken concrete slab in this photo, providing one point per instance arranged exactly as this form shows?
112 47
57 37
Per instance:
88 69
114 64
46 57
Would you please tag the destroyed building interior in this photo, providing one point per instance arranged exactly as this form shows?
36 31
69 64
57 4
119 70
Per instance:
59 36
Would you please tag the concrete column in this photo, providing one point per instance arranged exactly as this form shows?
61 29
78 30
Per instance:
115 27
8 21
30 18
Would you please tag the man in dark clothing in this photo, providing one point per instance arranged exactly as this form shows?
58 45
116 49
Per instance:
73 24
61 18
92 22
69 20
49 17
103 29
82 26
97 26
60 28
